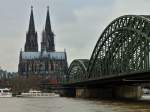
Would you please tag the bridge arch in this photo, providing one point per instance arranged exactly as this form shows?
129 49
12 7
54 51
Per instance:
78 70
123 47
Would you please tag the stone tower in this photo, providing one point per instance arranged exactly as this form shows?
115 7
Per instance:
48 36
31 44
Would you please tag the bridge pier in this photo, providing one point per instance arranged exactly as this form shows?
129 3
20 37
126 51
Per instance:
128 92
94 92
122 92
67 92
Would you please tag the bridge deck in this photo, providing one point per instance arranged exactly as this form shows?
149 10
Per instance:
128 78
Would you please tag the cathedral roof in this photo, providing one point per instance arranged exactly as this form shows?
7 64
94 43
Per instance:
38 55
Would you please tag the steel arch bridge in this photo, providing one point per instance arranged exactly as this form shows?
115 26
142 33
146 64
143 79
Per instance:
122 48
78 70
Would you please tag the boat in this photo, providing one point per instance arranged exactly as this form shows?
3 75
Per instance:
5 93
37 93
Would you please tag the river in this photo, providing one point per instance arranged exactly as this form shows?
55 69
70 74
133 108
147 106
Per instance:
60 104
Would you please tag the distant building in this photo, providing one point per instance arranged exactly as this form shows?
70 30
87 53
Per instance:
46 62
4 74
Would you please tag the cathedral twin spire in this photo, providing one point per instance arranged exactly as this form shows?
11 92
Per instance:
47 35
48 23
31 22
47 43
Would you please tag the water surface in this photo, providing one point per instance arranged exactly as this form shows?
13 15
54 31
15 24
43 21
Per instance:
59 104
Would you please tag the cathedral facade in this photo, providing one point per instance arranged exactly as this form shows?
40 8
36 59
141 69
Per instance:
47 62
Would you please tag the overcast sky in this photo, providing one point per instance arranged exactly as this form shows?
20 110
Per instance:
77 24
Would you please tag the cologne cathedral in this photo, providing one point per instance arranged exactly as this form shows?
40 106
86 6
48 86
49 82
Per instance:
47 62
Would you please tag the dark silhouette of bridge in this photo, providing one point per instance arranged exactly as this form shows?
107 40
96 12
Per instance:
121 56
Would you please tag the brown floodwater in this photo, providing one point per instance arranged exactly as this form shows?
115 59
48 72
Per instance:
59 104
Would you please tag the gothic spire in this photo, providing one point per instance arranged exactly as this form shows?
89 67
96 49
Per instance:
48 35
48 23
31 23
31 44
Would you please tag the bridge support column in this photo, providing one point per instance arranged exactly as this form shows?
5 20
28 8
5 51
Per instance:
129 92
93 92
68 92
83 93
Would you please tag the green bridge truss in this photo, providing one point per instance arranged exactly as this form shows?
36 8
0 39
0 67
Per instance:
122 48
